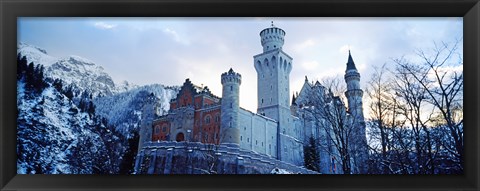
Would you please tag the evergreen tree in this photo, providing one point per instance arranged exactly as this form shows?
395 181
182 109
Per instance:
39 83
82 105
128 162
29 79
69 92
21 66
311 156
91 109
58 85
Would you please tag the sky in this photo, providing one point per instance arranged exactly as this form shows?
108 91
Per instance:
166 50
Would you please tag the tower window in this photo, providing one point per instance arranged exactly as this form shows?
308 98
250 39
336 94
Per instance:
248 140
231 88
240 138
231 105
262 100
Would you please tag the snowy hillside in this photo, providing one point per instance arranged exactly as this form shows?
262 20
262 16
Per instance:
55 137
73 118
82 74
124 110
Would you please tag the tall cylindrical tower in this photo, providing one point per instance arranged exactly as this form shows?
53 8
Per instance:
229 129
354 96
354 93
273 68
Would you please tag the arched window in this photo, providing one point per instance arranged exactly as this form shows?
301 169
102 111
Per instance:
180 137
164 128
207 119
157 129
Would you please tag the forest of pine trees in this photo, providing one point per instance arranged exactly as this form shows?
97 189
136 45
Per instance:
63 134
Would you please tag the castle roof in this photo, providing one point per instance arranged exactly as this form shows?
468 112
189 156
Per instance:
350 63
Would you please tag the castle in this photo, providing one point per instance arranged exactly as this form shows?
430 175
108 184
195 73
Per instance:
277 131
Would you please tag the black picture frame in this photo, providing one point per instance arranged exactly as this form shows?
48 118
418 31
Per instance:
10 10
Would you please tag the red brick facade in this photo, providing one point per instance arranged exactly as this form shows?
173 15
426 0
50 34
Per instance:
206 122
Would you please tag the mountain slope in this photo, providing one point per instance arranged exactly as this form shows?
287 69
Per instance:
124 110
82 74
77 120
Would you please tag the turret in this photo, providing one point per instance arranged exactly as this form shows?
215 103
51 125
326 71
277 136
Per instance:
230 108
354 96
354 93
272 38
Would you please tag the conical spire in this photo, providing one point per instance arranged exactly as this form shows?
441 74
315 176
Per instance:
294 99
350 63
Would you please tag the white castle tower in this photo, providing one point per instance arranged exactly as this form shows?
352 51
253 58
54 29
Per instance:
354 93
273 68
354 96
230 108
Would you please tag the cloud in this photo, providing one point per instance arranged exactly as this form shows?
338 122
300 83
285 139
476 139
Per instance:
104 26
176 36
305 44
310 65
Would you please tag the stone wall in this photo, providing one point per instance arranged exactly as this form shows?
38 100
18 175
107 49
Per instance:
198 158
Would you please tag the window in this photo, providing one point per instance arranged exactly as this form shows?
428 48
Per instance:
256 142
240 138
262 100
164 129
231 88
231 105
157 129
262 144
248 140
207 119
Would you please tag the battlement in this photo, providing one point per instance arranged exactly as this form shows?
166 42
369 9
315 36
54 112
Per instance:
231 76
272 38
